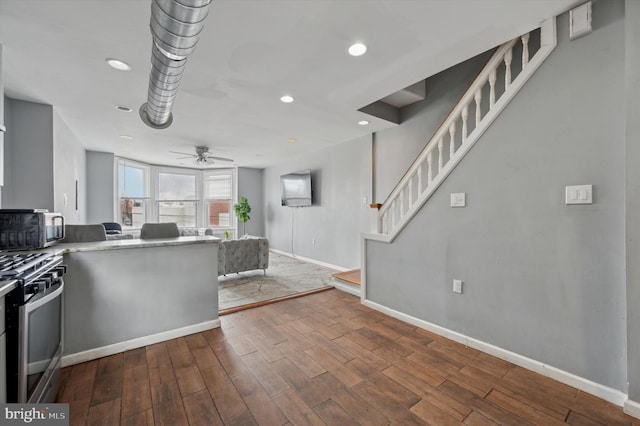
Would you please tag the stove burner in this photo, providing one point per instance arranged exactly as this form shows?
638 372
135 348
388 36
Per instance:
12 265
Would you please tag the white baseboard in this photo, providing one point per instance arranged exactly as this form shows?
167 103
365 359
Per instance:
611 395
139 342
632 408
306 259
354 290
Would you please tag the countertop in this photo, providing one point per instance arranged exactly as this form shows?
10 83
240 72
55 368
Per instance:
135 243
6 286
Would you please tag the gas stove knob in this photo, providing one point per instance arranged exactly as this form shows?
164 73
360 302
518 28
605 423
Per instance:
36 287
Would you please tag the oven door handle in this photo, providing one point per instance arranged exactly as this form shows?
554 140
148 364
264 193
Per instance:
30 306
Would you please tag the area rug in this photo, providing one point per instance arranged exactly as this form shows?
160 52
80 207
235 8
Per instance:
285 276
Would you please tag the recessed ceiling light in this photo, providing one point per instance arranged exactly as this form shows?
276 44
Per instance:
118 64
357 49
291 140
126 137
123 108
363 122
286 99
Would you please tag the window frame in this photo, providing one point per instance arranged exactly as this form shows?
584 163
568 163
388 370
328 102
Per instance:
233 220
157 170
151 202
146 169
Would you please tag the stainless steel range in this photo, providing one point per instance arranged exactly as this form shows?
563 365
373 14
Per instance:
34 321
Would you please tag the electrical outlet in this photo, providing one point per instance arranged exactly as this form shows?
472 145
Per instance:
457 286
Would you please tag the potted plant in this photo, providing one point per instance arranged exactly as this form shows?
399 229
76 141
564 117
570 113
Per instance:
242 210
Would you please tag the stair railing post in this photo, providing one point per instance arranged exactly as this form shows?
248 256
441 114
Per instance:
440 157
525 50
478 99
430 163
452 143
465 116
508 57
492 90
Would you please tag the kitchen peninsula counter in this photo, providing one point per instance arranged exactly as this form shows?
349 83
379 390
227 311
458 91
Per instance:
125 294
135 243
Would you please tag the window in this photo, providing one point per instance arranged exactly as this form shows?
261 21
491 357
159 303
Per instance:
189 197
177 200
133 193
218 198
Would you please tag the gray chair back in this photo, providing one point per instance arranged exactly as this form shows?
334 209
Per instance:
159 230
112 228
84 233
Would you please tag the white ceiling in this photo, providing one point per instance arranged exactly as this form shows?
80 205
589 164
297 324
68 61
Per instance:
250 54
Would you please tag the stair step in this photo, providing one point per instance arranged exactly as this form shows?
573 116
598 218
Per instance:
352 277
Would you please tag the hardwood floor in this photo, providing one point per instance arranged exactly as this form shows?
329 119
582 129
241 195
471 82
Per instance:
320 359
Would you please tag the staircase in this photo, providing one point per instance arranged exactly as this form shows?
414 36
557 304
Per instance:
503 76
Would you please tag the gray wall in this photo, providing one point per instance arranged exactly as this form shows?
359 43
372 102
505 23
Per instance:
100 187
328 231
43 160
2 121
69 169
250 186
541 279
632 185
28 160
395 149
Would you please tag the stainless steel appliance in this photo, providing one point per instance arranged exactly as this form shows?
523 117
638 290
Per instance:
34 323
29 229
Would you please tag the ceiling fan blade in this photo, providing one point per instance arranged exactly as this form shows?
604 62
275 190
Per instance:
183 153
219 158
184 158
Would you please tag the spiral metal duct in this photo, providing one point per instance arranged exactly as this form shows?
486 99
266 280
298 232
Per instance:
175 27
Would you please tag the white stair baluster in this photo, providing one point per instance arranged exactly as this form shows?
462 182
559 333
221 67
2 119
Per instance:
465 115
420 186
452 143
525 50
440 158
392 223
478 98
492 91
508 57
410 193
430 171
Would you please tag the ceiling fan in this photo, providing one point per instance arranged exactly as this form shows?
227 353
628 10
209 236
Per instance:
202 156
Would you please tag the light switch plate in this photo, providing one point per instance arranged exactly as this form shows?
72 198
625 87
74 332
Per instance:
580 21
458 199
578 194
457 286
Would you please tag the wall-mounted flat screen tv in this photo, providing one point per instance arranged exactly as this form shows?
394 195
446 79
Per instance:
296 189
